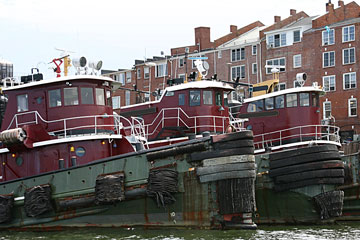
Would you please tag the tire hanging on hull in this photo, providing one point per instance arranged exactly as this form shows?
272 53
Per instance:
6 205
161 183
38 200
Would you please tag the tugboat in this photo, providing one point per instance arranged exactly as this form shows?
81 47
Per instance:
68 161
297 157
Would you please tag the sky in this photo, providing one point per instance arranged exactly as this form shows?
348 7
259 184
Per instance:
120 31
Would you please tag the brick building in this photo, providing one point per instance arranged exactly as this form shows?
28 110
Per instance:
324 47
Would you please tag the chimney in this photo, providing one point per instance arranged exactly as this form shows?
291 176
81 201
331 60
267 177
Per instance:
292 12
202 38
329 6
233 28
341 3
277 19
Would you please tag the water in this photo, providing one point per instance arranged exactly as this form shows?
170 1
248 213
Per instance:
348 231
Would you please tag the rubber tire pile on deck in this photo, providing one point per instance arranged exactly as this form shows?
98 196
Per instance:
306 166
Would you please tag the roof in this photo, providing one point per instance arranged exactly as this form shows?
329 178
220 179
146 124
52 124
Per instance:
56 80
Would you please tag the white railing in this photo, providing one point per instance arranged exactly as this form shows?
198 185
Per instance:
296 135
182 119
135 127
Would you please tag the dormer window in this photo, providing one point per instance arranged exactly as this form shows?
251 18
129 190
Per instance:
22 103
277 40
297 37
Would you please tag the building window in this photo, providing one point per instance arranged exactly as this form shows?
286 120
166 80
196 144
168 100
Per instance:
55 98
219 54
277 40
328 37
182 76
161 70
116 102
71 96
138 73
326 109
328 59
254 68
22 103
349 80
348 56
279 62
280 86
122 78
297 36
297 61
146 97
87 96
329 83
128 77
237 54
254 50
181 62
127 98
238 71
348 33
352 107
146 72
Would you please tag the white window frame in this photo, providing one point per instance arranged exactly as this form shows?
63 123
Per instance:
325 36
122 78
268 70
348 33
330 83
161 72
280 86
241 69
352 99
146 71
343 58
282 40
116 99
128 77
352 80
253 68
329 59
241 57
294 61
181 62
294 36
127 98
254 50
326 102
219 54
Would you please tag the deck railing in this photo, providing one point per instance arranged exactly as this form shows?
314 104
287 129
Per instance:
297 135
134 127
181 119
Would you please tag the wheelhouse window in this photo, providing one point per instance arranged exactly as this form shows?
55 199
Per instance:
100 96
291 100
181 99
22 103
218 99
315 100
304 99
55 98
207 97
195 98
108 98
71 96
256 106
87 96
269 103
226 100
279 101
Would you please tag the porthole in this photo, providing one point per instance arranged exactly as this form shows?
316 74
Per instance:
19 161
80 151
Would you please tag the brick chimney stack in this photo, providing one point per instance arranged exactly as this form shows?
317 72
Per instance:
277 19
329 6
202 37
341 3
292 12
233 28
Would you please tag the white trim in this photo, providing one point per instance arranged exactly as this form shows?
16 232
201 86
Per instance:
297 55
349 108
349 73
328 78
323 59
343 56
60 79
322 37
342 33
252 68
324 112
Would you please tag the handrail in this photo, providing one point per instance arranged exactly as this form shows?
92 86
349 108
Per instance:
136 127
298 134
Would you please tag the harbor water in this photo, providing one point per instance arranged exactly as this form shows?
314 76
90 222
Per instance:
338 231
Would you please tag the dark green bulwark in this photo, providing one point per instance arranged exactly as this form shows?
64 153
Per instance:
81 197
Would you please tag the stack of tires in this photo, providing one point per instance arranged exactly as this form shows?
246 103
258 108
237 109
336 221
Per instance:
306 166
230 163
